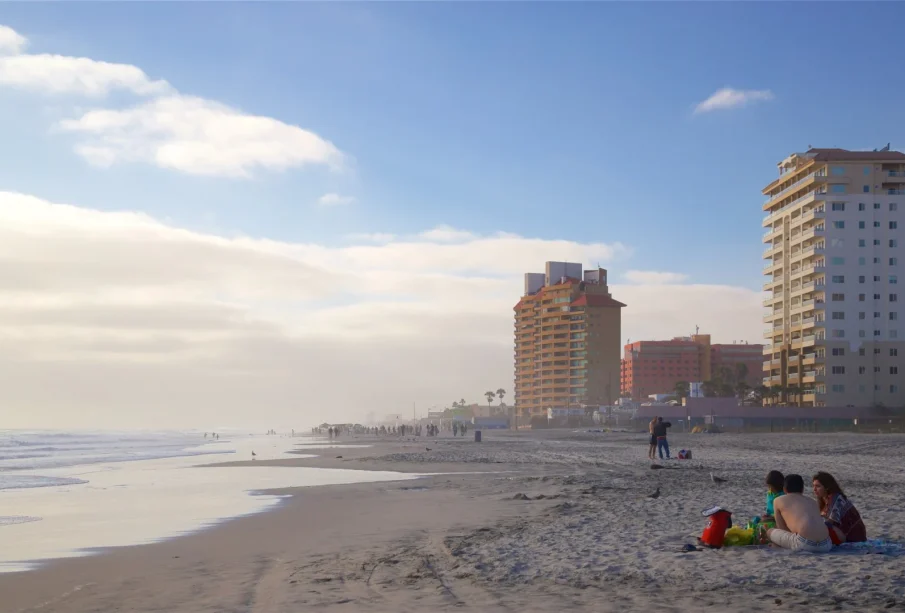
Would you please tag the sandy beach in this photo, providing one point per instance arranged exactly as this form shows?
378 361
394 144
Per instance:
583 537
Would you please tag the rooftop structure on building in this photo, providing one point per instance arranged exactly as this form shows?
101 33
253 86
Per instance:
567 331
833 248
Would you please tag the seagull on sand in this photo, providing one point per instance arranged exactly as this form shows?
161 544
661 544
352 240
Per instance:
428 448
655 494
717 480
253 454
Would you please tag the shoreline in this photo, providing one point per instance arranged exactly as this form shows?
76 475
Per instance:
583 536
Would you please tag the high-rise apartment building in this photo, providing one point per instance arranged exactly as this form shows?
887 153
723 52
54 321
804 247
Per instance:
567 338
835 228
654 367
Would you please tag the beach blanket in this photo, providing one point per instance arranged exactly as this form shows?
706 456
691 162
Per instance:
875 546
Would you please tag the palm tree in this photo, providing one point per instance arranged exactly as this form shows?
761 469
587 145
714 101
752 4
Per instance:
682 390
761 392
500 393
742 388
794 391
462 403
490 396
741 372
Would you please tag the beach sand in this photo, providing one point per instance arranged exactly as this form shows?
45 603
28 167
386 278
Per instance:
588 538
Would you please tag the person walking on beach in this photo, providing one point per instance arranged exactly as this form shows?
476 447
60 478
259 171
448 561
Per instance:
660 433
652 448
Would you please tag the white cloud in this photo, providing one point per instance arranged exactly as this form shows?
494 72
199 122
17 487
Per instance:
334 200
11 41
370 237
446 234
197 136
168 130
116 318
58 74
728 98
653 277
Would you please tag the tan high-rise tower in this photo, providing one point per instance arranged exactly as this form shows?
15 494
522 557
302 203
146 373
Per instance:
835 239
567 340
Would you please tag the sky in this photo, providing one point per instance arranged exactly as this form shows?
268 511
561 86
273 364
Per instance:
271 215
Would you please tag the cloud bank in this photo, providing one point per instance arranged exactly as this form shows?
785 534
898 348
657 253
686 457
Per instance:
117 319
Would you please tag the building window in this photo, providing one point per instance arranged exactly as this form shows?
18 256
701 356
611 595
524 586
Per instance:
838 206
866 189
876 260
862 334
861 388
893 316
876 206
867 170
837 387
861 278
893 389
837 261
838 314
876 314
861 297
893 206
861 206
862 242
893 225
876 333
837 171
838 297
862 315
876 370
893 353
861 351
838 351
876 242
893 243
838 333
838 278
837 189
876 351
876 296
860 225
861 262
893 261
877 280
876 224
893 370
861 370
893 334
838 370
893 297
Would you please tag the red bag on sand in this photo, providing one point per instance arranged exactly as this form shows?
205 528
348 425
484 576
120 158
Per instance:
718 521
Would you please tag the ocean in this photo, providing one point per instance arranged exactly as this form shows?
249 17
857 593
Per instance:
69 494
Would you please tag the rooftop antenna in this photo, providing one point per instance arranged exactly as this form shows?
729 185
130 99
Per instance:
696 330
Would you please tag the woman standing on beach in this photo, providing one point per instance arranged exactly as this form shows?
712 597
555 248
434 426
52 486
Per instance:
842 518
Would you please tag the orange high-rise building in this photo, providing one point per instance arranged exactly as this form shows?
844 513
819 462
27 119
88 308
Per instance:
567 340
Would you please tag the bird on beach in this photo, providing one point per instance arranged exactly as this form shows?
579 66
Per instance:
717 480
655 494
253 454
427 448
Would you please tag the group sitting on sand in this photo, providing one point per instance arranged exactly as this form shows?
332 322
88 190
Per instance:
803 524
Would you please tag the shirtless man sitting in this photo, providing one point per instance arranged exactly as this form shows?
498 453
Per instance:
799 526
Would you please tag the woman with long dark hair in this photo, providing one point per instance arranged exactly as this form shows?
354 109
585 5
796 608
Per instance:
842 518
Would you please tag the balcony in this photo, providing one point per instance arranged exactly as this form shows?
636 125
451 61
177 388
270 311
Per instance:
775 215
771 249
772 233
769 302
895 192
815 213
812 232
895 176
771 283
788 190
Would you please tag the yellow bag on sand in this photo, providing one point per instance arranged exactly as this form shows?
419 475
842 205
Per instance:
738 537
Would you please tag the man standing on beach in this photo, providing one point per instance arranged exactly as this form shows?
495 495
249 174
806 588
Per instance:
660 433
799 525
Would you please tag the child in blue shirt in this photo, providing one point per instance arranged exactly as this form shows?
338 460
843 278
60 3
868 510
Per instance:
774 483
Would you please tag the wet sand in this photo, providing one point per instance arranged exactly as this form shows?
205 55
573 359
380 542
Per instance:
584 536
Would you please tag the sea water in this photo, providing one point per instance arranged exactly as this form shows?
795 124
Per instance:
70 494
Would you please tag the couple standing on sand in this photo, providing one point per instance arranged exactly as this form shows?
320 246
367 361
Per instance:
657 429
803 524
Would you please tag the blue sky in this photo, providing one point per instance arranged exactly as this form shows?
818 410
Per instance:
549 120
571 127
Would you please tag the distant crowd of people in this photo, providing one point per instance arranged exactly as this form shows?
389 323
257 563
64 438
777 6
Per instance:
334 432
